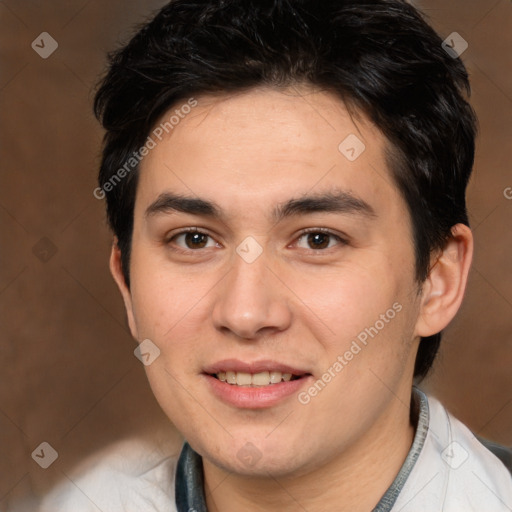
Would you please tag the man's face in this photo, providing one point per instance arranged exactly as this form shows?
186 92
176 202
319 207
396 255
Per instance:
249 290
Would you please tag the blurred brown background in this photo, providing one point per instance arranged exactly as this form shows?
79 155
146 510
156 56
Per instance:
68 373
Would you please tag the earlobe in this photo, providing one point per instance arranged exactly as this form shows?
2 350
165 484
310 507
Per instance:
117 273
444 288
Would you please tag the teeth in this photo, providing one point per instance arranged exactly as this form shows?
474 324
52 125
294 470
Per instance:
275 377
255 379
243 379
260 379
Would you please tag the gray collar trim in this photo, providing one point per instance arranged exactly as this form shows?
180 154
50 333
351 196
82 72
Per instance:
419 410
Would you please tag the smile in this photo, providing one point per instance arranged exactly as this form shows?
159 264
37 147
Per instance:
254 385
264 378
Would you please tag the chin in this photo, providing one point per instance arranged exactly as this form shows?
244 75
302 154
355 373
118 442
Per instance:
257 457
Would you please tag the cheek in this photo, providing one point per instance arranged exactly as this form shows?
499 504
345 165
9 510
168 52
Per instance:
172 310
161 296
351 298
152 308
369 314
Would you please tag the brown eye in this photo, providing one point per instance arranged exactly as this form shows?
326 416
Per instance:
320 239
191 240
195 240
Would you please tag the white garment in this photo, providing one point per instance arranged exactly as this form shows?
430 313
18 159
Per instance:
128 476
454 473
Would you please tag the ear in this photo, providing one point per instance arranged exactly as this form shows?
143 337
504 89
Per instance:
443 290
117 273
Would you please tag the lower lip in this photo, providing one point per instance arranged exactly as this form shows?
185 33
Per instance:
247 397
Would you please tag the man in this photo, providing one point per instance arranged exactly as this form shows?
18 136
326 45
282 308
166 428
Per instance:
285 181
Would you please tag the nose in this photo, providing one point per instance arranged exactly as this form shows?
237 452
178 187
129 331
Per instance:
251 301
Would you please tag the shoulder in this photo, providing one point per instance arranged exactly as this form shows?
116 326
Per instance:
128 475
455 471
460 443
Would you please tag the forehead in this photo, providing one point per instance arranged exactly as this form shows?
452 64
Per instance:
262 146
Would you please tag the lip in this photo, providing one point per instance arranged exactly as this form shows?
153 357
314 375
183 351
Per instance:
260 397
235 365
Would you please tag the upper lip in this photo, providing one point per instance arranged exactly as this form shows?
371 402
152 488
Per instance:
235 365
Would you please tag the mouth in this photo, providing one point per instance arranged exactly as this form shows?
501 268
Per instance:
264 378
255 385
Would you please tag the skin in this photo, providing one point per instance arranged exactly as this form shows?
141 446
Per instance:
295 303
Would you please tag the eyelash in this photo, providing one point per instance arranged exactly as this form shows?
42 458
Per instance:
304 232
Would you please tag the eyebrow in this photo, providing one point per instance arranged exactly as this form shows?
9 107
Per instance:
338 201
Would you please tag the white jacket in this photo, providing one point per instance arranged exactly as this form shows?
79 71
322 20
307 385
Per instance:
454 472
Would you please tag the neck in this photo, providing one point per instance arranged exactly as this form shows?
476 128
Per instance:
353 480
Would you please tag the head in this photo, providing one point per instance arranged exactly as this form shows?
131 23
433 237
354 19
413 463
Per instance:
245 122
